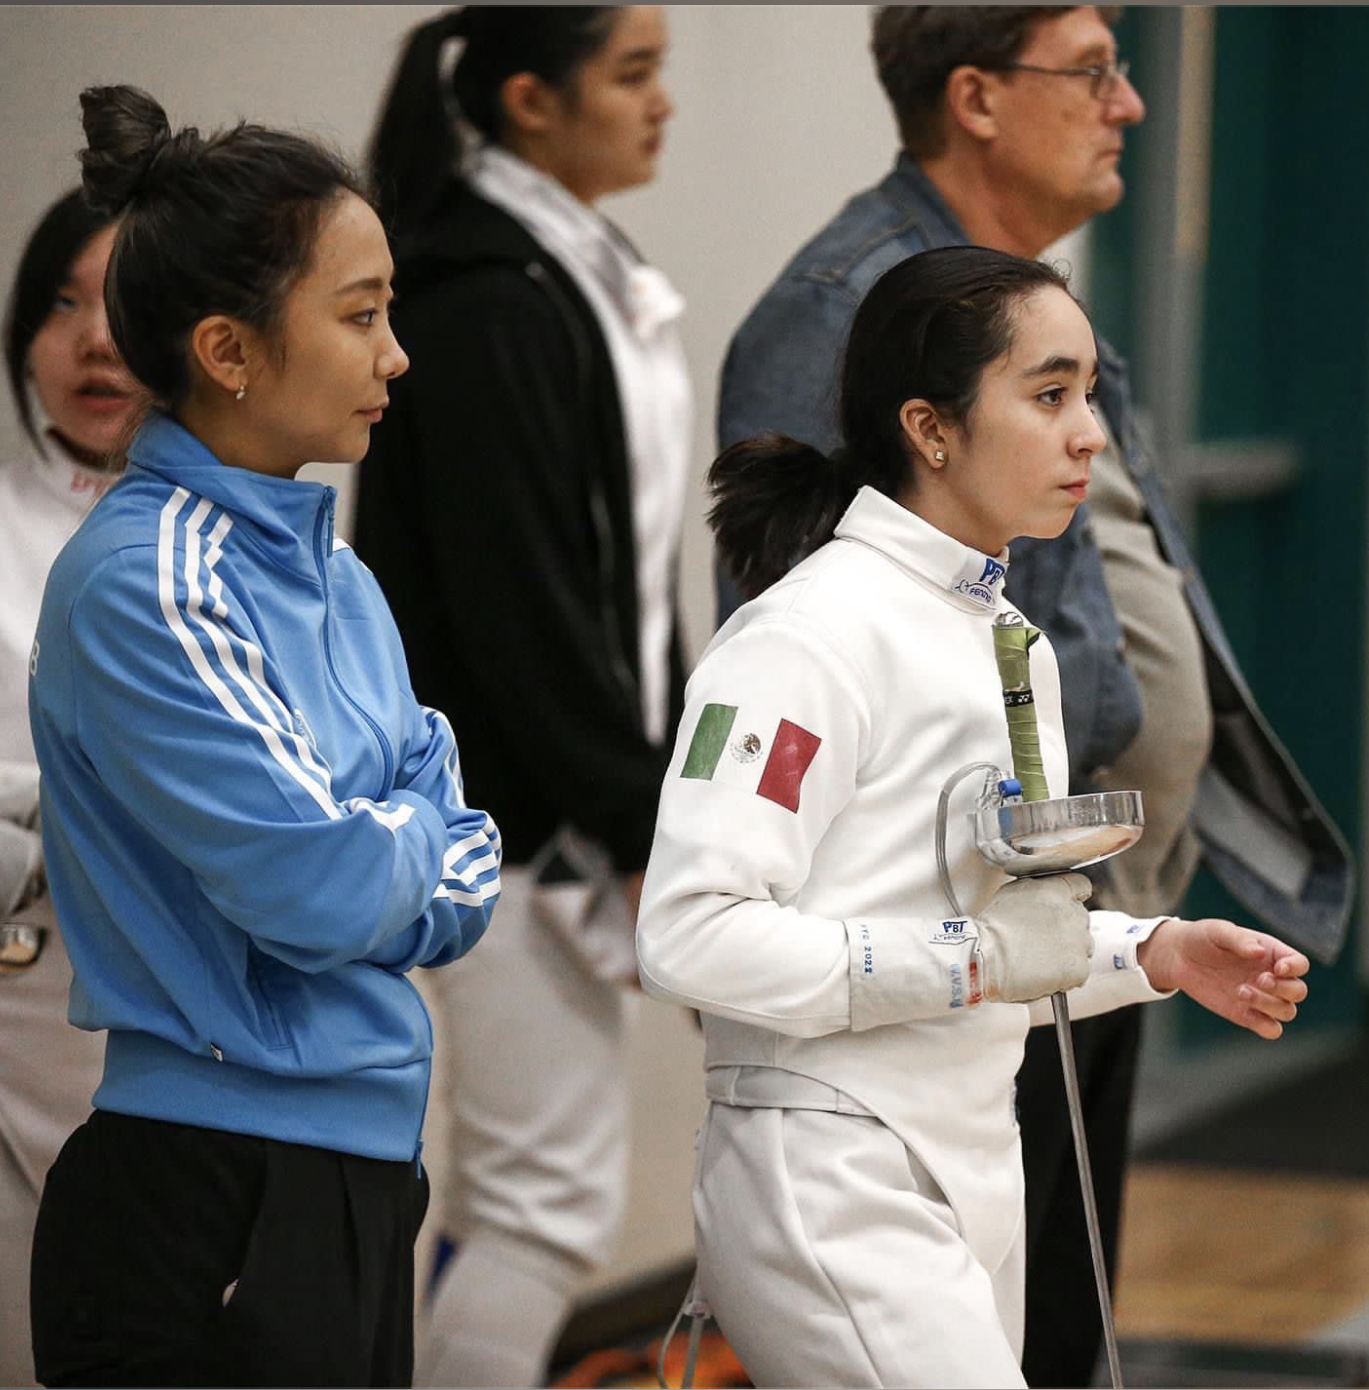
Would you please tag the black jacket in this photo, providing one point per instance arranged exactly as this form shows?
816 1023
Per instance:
495 509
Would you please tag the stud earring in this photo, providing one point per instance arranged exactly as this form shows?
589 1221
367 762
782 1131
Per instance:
240 393
940 456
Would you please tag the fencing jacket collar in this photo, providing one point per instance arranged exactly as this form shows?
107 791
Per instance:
293 520
966 576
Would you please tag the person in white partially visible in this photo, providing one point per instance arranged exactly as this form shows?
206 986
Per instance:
74 401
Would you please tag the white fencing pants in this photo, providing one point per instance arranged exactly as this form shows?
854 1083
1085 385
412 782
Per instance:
536 1173
830 1256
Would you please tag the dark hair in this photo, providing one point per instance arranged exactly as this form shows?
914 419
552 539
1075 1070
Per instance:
927 329
416 147
56 242
917 47
223 225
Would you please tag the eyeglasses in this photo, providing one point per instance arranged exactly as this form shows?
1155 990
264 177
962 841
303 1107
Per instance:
1105 76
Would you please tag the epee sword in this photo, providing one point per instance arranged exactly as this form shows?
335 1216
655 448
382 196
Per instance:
1012 640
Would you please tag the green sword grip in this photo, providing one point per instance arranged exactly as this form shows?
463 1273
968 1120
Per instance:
1012 638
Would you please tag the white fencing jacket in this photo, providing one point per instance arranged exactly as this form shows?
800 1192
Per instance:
792 894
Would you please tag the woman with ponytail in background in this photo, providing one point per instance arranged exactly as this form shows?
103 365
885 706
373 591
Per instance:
521 507
252 830
858 1193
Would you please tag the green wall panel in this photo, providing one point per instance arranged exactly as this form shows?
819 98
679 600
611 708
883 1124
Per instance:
1285 354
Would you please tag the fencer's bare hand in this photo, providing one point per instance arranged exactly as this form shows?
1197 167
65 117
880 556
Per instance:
1246 976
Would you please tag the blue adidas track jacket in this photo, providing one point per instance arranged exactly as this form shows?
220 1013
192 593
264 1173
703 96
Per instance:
252 829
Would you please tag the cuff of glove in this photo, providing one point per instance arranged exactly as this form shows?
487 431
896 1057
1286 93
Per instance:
896 975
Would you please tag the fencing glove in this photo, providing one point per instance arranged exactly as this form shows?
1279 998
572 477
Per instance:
1034 937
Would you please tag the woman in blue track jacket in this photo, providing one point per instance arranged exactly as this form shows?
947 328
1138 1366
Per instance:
252 828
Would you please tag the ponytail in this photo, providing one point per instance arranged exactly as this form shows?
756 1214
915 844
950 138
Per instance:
775 501
416 150
416 146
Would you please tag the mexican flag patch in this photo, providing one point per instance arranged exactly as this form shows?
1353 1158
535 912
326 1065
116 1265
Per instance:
769 760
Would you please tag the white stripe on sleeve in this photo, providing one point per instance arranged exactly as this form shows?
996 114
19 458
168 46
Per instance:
171 615
391 820
260 689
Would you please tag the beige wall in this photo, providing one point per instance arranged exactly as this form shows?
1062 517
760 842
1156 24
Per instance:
779 119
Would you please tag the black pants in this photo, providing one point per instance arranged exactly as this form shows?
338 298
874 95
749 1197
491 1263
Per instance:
1064 1329
172 1255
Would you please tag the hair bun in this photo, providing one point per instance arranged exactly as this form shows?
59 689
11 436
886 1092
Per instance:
130 150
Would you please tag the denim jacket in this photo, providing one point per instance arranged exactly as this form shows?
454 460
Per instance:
1262 829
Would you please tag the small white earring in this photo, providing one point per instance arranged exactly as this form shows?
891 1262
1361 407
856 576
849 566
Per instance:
939 455
240 393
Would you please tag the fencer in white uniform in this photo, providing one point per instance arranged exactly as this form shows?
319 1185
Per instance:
831 972
858 1195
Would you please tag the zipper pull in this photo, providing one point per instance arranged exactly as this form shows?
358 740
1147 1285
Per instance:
329 508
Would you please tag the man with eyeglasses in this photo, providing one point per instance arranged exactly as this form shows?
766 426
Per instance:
1012 122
